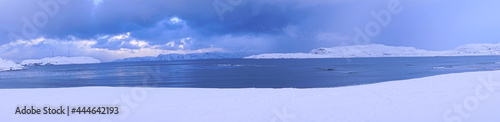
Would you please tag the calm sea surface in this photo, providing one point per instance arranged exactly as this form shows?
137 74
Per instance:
245 73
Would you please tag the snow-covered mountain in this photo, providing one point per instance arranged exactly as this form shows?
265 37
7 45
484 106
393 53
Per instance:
6 65
478 49
60 61
192 56
135 59
379 50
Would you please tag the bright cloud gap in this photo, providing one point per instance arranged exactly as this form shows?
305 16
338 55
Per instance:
106 48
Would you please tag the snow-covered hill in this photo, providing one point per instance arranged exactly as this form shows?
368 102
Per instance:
60 61
193 56
379 50
478 49
6 65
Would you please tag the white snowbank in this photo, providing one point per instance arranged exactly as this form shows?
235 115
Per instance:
473 97
378 50
6 65
60 61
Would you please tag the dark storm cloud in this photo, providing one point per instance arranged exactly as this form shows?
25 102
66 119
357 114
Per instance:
249 25
84 19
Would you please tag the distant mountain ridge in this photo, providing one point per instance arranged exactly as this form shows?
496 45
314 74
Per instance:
352 51
379 50
60 61
192 56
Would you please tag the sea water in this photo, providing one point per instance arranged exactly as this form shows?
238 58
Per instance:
245 73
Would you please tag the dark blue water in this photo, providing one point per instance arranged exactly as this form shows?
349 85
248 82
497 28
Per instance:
245 73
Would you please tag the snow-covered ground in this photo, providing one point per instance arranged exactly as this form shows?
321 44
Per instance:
473 96
378 50
6 65
60 61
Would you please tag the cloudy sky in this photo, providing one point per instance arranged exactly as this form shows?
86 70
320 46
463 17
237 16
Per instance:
114 29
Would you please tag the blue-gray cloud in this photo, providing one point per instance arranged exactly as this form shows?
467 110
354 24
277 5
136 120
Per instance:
246 25
86 19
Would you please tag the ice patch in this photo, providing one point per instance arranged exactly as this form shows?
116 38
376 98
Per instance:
230 65
438 67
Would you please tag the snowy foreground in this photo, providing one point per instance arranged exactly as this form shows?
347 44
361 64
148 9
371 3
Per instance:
6 65
60 61
379 50
473 97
